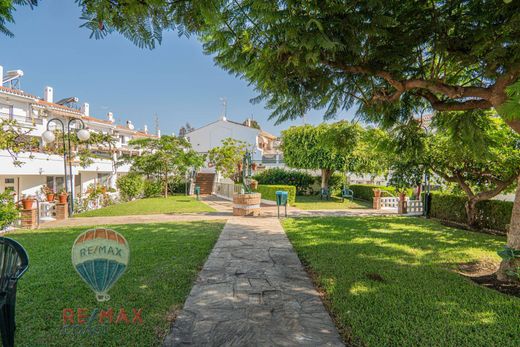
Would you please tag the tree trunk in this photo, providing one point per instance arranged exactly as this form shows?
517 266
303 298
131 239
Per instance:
513 238
325 175
471 212
165 184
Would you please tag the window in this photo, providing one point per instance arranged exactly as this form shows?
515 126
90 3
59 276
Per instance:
103 179
56 183
9 181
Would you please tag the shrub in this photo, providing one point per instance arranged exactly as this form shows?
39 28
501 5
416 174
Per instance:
130 186
491 214
269 192
177 185
301 180
152 188
336 182
8 210
366 191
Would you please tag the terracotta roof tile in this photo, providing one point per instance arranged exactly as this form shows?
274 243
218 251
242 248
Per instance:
17 92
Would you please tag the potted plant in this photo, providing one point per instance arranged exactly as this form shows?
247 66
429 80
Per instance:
27 202
254 184
253 166
62 197
377 192
103 189
49 193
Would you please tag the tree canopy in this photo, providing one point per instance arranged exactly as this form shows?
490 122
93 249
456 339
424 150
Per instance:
164 156
381 55
228 157
480 169
326 147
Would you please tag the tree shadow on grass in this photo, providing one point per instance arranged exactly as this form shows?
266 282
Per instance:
414 300
164 261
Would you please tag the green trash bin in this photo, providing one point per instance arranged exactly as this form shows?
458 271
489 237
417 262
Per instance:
197 191
281 200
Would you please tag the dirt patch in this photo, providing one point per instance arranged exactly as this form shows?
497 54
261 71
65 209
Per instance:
375 277
483 267
170 318
482 272
491 282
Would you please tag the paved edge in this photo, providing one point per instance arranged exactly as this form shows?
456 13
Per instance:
253 291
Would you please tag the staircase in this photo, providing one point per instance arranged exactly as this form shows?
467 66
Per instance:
205 182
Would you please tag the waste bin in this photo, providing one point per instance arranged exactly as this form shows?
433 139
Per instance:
281 200
197 191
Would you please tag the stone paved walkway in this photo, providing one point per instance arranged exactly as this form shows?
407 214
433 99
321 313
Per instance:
253 291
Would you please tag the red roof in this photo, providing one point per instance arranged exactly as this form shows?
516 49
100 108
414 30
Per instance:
69 109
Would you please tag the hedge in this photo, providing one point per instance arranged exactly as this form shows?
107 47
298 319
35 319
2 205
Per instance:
269 192
366 191
277 176
491 214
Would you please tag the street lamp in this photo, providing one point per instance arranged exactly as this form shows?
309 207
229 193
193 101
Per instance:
82 134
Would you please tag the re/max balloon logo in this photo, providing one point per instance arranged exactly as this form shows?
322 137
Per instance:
100 257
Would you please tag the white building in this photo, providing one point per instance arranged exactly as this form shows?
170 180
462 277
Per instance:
32 114
264 145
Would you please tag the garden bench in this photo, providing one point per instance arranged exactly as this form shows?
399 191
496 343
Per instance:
324 194
347 193
13 264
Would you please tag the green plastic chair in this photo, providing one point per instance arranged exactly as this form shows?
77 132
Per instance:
13 264
347 193
324 194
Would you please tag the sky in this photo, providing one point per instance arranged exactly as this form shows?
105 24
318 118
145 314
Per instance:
174 81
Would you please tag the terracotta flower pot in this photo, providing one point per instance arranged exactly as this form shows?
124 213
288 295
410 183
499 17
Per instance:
377 193
50 197
253 166
254 184
62 198
103 190
27 203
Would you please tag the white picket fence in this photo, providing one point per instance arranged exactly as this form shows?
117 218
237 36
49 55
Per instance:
392 202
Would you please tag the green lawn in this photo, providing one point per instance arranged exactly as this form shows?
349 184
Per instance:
417 300
313 202
172 204
164 261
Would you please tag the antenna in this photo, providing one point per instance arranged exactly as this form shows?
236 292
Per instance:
156 123
224 104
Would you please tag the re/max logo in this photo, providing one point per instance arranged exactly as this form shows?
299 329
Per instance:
83 322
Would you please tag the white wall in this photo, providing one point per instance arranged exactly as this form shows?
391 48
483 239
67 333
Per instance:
211 136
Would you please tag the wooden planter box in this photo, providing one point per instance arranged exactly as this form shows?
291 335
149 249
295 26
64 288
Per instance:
246 204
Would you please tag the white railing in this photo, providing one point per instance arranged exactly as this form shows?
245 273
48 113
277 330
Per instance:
389 202
226 190
414 206
46 211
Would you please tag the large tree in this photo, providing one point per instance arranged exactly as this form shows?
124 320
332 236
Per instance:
227 158
164 157
379 55
476 151
326 147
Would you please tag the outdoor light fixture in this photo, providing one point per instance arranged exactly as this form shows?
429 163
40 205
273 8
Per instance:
82 134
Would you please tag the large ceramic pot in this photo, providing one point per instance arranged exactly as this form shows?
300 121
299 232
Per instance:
27 203
246 204
62 198
50 197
